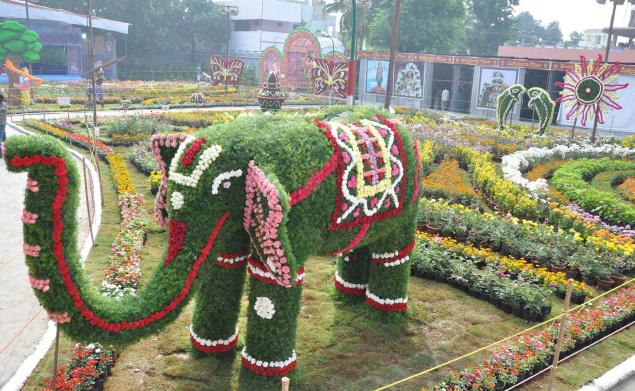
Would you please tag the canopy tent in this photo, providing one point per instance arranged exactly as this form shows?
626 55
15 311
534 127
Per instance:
15 9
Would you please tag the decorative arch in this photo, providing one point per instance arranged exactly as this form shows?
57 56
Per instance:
270 61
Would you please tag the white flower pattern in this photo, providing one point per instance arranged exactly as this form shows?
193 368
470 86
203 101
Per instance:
264 307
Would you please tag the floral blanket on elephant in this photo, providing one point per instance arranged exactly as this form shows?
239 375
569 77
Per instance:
370 175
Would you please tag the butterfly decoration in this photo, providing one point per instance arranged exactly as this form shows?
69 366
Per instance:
226 71
328 74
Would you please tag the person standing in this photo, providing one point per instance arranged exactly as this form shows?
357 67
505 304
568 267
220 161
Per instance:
3 123
445 99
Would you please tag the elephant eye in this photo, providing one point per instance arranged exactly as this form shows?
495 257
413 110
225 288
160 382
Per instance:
223 179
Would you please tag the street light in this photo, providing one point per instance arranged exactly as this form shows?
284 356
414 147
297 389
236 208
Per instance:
608 49
229 11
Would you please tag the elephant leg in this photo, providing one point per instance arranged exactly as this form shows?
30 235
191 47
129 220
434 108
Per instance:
271 324
213 328
389 273
351 277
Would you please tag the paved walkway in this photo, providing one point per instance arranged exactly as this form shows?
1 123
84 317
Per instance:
23 320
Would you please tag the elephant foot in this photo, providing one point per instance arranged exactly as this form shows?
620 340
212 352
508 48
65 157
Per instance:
213 346
349 288
268 368
399 304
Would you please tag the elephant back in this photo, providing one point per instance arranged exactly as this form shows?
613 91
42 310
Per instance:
372 172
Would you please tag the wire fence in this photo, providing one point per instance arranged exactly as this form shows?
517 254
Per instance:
430 377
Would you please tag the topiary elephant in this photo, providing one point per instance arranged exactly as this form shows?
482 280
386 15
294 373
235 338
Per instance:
260 194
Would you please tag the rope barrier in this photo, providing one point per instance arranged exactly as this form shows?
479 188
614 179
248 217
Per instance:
19 332
574 309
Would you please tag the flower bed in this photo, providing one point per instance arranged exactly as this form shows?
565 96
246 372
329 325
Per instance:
88 369
627 188
142 158
523 299
572 178
447 183
71 137
515 164
594 258
516 268
508 196
533 351
123 275
120 174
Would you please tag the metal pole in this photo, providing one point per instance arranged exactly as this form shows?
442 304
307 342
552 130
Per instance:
351 97
606 60
55 357
563 321
90 218
393 49
91 53
227 50
575 122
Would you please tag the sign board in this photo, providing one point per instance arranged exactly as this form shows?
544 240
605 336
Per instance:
64 100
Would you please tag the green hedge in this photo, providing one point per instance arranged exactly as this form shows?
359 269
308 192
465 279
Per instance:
573 178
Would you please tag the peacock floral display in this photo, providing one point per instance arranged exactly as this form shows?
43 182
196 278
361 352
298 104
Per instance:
540 101
506 101
589 90
258 195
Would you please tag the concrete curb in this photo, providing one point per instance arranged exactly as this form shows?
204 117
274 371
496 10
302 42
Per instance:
28 365
613 377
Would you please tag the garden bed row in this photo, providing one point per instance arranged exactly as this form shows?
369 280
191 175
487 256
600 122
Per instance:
533 351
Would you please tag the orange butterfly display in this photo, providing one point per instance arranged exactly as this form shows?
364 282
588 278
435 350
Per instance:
328 74
226 71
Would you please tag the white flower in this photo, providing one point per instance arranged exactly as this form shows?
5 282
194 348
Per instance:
177 200
264 307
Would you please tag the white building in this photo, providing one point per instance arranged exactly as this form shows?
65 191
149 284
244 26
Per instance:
594 39
264 23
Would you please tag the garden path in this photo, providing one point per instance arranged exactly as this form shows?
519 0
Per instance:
24 321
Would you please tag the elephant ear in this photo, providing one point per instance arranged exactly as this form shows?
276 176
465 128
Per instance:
164 148
266 210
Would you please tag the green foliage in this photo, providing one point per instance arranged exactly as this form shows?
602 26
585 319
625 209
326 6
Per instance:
572 179
160 27
506 101
16 41
529 301
490 25
287 150
134 125
541 102
426 25
530 32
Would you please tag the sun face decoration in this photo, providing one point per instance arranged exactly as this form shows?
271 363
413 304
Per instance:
589 89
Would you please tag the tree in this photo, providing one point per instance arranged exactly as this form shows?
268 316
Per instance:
574 39
426 25
17 44
201 21
345 8
529 30
490 24
552 35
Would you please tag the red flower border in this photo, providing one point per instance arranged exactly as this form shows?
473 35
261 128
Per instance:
214 349
59 164
357 292
270 371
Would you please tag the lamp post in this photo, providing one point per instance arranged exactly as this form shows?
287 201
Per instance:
228 11
608 50
351 65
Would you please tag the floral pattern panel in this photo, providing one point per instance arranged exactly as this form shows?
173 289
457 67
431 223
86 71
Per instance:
371 174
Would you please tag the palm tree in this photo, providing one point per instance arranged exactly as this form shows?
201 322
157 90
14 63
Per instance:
345 8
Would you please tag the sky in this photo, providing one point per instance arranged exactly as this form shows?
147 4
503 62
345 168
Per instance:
575 15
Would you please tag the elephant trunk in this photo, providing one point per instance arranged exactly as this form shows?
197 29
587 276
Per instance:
51 252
